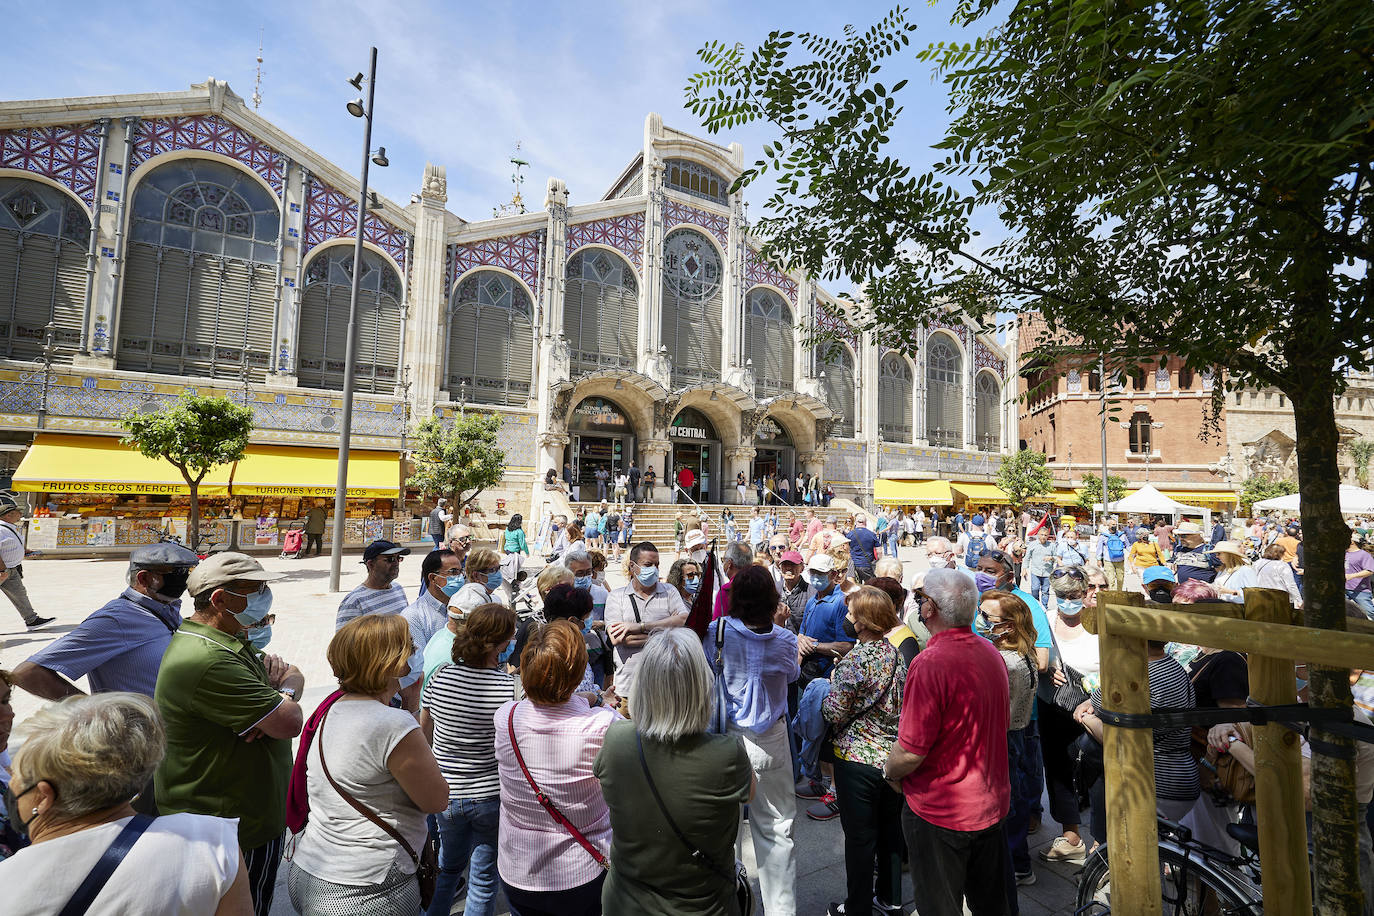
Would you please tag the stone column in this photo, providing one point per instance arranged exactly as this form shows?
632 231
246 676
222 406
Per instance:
294 189
732 302
550 455
428 299
970 414
651 289
654 453
738 459
866 388
555 256
813 463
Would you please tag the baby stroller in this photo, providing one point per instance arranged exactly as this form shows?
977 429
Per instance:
292 543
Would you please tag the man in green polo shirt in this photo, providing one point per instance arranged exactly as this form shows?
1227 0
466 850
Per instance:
230 715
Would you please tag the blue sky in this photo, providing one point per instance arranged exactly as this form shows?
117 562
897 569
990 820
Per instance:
458 83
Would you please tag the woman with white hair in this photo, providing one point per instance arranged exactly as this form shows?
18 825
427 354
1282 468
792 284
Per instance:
83 762
699 781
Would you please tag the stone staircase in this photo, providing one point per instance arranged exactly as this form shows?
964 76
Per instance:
654 521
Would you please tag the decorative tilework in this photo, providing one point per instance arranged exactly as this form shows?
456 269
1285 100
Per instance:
829 322
758 270
985 358
846 463
958 329
675 214
68 154
330 214
517 253
211 134
944 463
623 233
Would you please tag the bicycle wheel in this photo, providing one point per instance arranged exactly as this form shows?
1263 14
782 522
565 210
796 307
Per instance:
1190 884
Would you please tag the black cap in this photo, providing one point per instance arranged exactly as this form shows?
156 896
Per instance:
163 553
378 548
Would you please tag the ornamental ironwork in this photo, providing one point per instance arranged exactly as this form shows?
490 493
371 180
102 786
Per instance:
691 265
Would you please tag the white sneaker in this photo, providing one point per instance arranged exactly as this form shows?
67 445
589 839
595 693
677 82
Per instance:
1061 850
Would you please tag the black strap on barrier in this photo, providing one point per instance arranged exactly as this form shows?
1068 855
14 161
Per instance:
1335 721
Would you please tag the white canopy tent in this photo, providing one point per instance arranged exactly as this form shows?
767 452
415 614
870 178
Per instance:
1354 501
1149 501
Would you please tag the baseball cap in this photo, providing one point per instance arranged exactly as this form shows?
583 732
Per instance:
1157 574
821 562
9 502
162 554
694 539
379 547
977 520
791 556
220 569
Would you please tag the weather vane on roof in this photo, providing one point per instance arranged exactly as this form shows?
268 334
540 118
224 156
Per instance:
257 80
517 178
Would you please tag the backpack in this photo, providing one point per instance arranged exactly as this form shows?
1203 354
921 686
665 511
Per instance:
1116 548
977 546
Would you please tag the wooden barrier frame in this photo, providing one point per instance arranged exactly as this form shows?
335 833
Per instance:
1124 622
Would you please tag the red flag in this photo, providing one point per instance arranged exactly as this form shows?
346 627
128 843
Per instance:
699 619
1043 521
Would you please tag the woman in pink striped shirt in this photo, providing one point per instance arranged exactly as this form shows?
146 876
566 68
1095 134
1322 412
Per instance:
552 859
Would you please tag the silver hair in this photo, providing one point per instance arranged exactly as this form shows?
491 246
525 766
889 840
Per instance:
1069 585
739 554
576 553
938 544
888 566
672 695
954 594
98 750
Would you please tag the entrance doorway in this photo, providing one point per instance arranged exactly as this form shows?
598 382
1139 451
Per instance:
600 437
773 453
696 449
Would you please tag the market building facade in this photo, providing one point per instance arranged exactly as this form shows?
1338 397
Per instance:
154 244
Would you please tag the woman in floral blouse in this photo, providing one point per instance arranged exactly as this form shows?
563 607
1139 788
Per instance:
863 709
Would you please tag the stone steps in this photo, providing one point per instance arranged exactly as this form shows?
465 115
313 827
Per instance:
654 521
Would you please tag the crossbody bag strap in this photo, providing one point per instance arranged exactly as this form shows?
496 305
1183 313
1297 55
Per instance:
358 806
109 860
695 850
547 802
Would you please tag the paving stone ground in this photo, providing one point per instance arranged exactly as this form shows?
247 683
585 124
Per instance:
70 589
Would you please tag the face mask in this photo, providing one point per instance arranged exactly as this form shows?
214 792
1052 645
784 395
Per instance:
692 584
258 607
258 637
20 825
452 584
586 625
583 582
648 576
174 584
493 580
1070 607
849 629
819 581
1161 596
698 555
984 581
506 653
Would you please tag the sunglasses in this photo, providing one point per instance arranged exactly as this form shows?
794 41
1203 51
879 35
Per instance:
1071 573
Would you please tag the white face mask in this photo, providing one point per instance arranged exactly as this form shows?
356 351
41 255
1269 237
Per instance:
698 555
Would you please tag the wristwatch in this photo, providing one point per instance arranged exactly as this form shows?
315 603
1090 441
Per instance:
288 692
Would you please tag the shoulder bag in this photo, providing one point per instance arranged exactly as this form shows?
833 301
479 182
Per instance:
105 866
558 816
426 864
744 891
720 715
1069 695
1219 774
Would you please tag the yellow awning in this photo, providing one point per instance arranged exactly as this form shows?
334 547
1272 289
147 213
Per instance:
982 492
1063 497
912 492
60 463
287 470
1193 497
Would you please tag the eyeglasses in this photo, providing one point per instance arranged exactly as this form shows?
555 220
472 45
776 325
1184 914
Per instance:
1071 572
987 622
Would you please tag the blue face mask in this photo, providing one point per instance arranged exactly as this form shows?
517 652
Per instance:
586 625
648 576
692 584
452 584
984 581
506 653
259 606
583 582
493 580
1070 607
819 581
258 637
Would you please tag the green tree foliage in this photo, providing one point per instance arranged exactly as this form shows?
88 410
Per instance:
1024 477
457 460
1257 489
1090 491
1361 452
1191 178
195 435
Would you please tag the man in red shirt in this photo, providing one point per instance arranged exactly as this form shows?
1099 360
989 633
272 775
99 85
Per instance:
951 759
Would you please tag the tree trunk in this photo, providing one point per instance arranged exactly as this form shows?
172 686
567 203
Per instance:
1325 538
193 523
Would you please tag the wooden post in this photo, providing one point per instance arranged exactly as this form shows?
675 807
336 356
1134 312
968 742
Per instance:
1128 754
1278 772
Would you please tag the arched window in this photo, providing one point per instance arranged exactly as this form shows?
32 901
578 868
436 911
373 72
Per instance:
894 398
839 387
490 340
324 321
1141 430
987 412
601 311
697 180
768 341
200 275
1185 378
944 393
43 239
1137 375
691 316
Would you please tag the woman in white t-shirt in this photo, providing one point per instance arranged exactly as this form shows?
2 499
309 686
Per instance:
72 782
345 862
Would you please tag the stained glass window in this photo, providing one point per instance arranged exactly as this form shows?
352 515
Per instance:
769 341
987 406
894 398
44 236
691 313
601 311
697 180
209 207
490 340
323 335
944 392
838 366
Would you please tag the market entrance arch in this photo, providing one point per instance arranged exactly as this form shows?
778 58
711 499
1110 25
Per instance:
600 435
696 449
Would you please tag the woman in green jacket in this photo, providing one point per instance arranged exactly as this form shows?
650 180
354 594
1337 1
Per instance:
515 537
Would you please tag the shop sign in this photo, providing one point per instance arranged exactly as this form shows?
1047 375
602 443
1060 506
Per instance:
689 432
102 486
599 413
768 431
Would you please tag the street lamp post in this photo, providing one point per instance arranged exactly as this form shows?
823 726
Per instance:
405 428
357 109
49 348
1102 390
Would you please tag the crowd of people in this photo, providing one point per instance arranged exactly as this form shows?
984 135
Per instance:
582 748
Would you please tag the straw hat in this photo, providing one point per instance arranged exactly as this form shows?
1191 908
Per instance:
1230 547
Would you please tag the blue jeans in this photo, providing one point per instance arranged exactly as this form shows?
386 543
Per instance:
1040 590
467 839
1365 599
